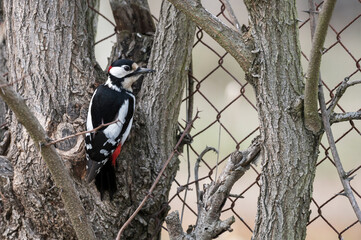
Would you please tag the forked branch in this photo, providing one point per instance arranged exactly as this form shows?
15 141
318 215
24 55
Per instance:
209 225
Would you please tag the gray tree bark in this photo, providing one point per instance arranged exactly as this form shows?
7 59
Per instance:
50 47
4 134
289 150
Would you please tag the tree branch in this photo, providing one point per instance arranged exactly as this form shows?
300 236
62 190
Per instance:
209 225
342 117
196 178
174 226
345 179
72 203
312 120
80 133
185 132
339 93
232 41
231 14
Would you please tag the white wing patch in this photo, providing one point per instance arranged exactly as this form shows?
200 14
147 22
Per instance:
126 133
113 130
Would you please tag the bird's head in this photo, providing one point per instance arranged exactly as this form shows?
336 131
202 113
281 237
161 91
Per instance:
124 72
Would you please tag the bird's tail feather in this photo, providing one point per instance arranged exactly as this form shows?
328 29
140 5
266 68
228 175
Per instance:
106 181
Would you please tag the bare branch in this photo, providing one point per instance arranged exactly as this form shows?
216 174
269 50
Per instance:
342 117
99 13
231 14
185 132
339 93
345 180
209 225
196 179
80 133
231 40
312 120
11 83
174 226
72 203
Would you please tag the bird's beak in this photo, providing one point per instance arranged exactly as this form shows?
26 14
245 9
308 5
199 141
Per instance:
143 70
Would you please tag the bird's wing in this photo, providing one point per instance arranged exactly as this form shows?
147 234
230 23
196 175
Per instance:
106 106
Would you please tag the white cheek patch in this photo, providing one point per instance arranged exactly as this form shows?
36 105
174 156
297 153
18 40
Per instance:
118 72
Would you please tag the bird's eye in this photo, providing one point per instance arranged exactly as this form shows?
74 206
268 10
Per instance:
126 68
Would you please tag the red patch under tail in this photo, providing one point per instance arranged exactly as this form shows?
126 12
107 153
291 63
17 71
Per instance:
116 154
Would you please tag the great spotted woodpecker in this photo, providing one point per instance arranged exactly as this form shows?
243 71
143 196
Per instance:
114 100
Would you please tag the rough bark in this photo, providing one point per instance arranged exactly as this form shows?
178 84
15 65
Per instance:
135 32
289 150
154 132
4 134
49 47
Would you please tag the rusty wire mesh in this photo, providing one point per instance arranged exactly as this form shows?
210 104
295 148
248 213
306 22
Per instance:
229 121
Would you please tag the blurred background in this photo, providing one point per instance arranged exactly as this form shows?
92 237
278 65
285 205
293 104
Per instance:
228 121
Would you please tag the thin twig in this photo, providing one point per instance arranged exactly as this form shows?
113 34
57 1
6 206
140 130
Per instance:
229 9
188 177
189 116
339 93
81 133
185 132
345 180
99 13
13 82
3 125
105 38
196 179
311 116
218 149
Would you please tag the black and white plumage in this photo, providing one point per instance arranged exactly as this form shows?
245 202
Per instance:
111 101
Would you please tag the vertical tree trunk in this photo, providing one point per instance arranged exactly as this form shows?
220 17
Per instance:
154 132
289 151
50 50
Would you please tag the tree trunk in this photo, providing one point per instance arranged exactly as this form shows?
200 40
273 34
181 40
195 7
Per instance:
289 150
50 51
50 46
154 131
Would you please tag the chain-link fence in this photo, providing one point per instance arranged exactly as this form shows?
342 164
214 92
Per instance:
229 121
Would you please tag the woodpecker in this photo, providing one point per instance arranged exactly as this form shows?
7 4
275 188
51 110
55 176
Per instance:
111 101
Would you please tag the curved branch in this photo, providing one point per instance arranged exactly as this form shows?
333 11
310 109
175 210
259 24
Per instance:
342 117
232 41
312 120
72 203
339 93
